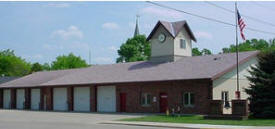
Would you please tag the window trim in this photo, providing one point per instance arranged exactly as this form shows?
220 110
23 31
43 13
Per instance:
189 99
223 98
181 45
145 104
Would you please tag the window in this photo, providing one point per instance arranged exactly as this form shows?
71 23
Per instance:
225 98
146 99
189 99
182 43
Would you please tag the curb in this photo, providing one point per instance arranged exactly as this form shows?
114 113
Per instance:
184 126
150 125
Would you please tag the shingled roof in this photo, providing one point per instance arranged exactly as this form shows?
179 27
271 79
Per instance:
6 79
173 28
197 67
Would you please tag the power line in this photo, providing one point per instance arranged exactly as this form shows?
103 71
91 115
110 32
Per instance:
263 6
192 14
210 3
209 19
248 17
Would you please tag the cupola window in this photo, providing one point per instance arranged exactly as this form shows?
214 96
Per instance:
182 43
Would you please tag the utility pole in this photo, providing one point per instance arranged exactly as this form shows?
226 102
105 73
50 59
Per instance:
89 56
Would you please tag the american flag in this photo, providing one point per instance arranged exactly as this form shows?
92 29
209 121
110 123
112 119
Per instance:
241 24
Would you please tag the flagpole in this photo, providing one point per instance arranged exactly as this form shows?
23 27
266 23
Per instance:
237 53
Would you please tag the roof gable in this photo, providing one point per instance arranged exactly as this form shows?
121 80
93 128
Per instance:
173 28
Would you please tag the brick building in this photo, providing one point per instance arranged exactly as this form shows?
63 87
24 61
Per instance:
171 78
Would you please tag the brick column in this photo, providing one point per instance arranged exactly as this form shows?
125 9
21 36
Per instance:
70 93
41 104
216 107
13 98
50 99
1 98
27 98
93 97
240 107
48 92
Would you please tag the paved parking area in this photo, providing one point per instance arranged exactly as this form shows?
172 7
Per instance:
19 119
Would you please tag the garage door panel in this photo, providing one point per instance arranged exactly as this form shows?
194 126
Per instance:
106 99
60 99
82 99
7 98
35 99
20 98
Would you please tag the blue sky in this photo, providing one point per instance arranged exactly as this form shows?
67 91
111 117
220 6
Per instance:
40 31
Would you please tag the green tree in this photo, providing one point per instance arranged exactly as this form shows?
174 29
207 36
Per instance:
46 67
134 49
68 62
262 86
12 65
36 67
250 45
197 52
206 51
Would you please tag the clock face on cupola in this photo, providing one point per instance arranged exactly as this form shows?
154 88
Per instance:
170 41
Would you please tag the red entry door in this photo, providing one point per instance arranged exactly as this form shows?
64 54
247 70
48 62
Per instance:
163 102
122 102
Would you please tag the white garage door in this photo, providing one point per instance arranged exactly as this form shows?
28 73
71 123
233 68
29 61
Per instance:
35 99
106 99
20 98
82 99
60 99
7 98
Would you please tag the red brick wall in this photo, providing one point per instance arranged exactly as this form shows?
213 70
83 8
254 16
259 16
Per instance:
174 89
13 98
93 98
70 97
48 92
1 98
27 98
41 104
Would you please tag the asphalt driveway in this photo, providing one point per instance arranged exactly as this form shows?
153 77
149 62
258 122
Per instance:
19 119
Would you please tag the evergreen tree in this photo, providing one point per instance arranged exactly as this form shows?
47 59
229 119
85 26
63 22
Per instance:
262 87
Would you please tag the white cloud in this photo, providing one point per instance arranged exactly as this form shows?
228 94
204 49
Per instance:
68 45
78 45
69 33
104 60
113 48
59 5
38 56
155 11
52 47
110 25
203 35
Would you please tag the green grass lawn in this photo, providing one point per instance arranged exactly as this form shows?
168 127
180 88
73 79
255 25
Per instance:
196 119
